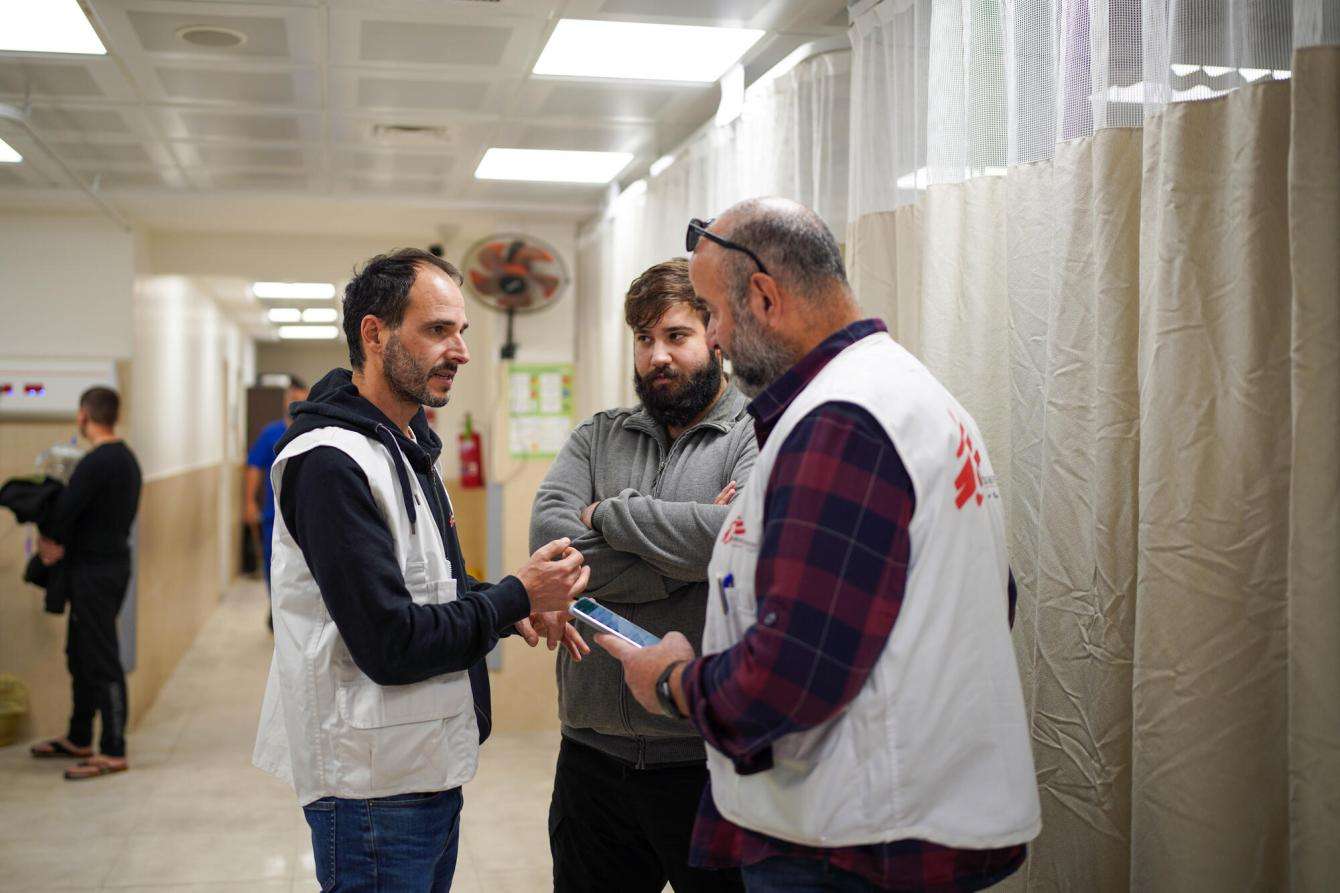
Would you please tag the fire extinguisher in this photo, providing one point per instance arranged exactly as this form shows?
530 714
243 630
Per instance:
472 456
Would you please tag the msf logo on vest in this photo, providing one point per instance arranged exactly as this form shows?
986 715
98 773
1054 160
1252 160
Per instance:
734 531
971 485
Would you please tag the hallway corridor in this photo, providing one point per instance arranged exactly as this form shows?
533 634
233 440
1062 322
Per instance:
192 814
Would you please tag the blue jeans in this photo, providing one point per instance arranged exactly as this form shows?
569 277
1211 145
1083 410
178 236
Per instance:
783 874
407 842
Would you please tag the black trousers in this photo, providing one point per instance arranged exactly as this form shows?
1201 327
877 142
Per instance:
616 828
93 655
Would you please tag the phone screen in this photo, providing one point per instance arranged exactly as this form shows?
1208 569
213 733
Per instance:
598 615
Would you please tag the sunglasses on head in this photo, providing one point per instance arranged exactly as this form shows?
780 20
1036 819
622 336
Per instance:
698 230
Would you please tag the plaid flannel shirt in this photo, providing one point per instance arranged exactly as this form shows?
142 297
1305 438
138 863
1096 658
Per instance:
831 573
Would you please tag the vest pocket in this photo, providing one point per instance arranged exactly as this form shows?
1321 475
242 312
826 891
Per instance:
364 704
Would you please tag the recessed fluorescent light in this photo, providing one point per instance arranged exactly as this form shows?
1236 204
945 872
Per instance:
308 333
8 155
285 314
319 314
47 26
293 290
551 165
659 166
643 51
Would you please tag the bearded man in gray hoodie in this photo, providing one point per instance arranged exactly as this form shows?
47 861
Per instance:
642 492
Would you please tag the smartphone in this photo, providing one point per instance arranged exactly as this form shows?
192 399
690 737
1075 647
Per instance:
601 617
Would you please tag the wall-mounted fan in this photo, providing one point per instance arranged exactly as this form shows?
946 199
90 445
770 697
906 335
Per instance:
515 274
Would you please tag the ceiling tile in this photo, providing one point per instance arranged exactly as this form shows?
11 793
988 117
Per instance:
47 80
249 156
421 94
382 164
715 10
590 139
295 182
157 32
250 127
128 180
580 100
78 120
398 186
112 152
235 86
417 42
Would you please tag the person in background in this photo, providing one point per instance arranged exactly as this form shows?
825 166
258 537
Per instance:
378 697
89 531
642 492
858 689
259 505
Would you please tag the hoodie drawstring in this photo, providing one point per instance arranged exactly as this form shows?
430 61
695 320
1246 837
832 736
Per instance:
387 437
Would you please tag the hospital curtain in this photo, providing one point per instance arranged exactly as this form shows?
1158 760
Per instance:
1112 228
790 139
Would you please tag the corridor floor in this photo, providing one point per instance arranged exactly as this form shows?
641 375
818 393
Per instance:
192 814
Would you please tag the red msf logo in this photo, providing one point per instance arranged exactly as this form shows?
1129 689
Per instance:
734 530
969 480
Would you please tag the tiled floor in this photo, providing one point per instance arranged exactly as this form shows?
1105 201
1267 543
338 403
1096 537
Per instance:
192 814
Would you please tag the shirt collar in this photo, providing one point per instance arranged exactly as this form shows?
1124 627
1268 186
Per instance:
768 406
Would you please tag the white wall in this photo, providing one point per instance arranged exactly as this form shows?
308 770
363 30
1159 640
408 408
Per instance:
191 367
548 336
65 287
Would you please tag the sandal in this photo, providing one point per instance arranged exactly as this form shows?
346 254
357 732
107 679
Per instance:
96 767
57 748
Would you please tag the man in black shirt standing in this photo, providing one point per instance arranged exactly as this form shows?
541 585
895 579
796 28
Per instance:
89 534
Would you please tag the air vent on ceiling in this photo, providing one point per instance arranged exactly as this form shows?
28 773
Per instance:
211 37
428 136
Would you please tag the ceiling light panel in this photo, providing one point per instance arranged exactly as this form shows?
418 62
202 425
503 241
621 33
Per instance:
48 26
285 314
293 291
643 51
8 155
308 333
551 165
319 314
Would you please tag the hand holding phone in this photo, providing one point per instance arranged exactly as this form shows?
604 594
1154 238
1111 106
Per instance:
591 611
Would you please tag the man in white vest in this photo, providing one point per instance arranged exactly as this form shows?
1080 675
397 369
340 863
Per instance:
378 696
858 691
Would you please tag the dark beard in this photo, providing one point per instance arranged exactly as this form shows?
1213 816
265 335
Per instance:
678 406
407 380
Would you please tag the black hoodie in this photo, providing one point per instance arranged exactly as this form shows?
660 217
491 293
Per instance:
328 507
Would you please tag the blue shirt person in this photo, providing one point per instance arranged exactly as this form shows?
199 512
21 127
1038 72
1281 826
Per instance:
260 499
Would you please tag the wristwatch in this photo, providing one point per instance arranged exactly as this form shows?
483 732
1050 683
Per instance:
663 694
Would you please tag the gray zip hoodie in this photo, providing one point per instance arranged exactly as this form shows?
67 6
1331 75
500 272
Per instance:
648 553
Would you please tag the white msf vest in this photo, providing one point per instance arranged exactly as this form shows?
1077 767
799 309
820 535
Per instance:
325 727
935 746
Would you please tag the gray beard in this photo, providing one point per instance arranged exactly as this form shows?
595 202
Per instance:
757 357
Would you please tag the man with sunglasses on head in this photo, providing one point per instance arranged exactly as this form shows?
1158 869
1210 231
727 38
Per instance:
858 690
642 492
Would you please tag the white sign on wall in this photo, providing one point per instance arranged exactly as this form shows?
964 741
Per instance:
49 389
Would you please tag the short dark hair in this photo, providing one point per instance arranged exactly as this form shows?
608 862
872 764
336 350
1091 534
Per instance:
296 383
103 405
799 249
657 290
381 289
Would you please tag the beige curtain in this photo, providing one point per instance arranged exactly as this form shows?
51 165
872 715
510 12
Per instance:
1313 582
1147 326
